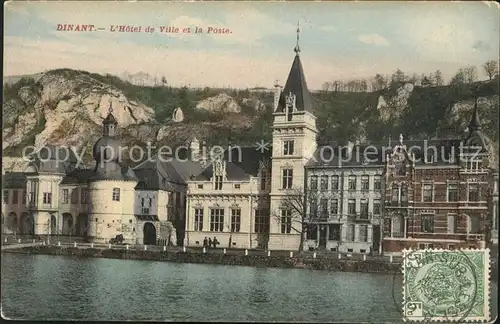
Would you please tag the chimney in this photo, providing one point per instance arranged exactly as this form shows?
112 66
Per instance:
277 93
195 149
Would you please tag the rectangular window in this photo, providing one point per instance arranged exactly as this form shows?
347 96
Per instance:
352 182
314 182
473 192
116 194
335 182
150 202
365 183
15 199
217 220
237 186
82 196
198 219
335 207
404 192
200 186
324 183
452 192
351 207
65 197
235 219
350 233
218 182
6 196
313 208
74 196
395 193
452 223
261 221
85 195
376 207
427 194
142 202
263 180
363 233
47 197
377 182
312 232
324 207
286 221
427 223
288 148
23 198
334 232
287 178
364 208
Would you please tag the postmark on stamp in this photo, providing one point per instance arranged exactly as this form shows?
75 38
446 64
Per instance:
445 285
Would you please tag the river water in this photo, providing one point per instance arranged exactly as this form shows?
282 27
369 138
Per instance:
57 287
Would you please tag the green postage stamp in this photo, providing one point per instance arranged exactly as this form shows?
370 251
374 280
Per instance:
445 285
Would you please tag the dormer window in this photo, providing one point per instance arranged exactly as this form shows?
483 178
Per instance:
218 182
290 105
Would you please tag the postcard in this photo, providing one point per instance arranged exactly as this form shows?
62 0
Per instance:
250 161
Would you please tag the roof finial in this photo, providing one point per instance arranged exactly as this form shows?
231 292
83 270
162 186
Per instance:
297 48
110 109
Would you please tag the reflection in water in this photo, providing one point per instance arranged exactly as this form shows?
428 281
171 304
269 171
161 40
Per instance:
49 287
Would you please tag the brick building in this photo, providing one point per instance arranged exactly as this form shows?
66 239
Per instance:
437 192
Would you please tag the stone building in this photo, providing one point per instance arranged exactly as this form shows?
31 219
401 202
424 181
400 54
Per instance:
57 196
436 193
229 200
344 199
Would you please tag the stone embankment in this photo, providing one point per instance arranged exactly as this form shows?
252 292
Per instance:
275 260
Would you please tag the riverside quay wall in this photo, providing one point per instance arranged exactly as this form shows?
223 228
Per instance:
240 258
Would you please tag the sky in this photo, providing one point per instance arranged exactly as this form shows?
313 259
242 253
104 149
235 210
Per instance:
338 40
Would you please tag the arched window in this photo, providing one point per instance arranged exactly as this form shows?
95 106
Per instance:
116 194
404 192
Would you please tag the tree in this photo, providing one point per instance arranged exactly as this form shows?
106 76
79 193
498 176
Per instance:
470 74
398 76
326 86
292 214
164 80
438 77
491 68
379 82
458 78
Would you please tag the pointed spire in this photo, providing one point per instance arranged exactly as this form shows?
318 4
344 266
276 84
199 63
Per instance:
474 122
295 88
297 47
110 109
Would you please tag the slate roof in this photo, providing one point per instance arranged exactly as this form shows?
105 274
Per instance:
52 159
112 171
374 155
77 176
14 180
167 172
238 167
296 84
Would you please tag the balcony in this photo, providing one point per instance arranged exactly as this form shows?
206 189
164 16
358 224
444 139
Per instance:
323 217
396 203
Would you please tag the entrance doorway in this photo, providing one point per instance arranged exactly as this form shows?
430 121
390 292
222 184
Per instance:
376 239
322 237
149 234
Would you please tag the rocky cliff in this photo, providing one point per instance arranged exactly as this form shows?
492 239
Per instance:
66 107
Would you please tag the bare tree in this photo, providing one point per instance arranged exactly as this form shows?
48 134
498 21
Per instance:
491 68
326 86
438 78
379 82
164 80
470 73
292 215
